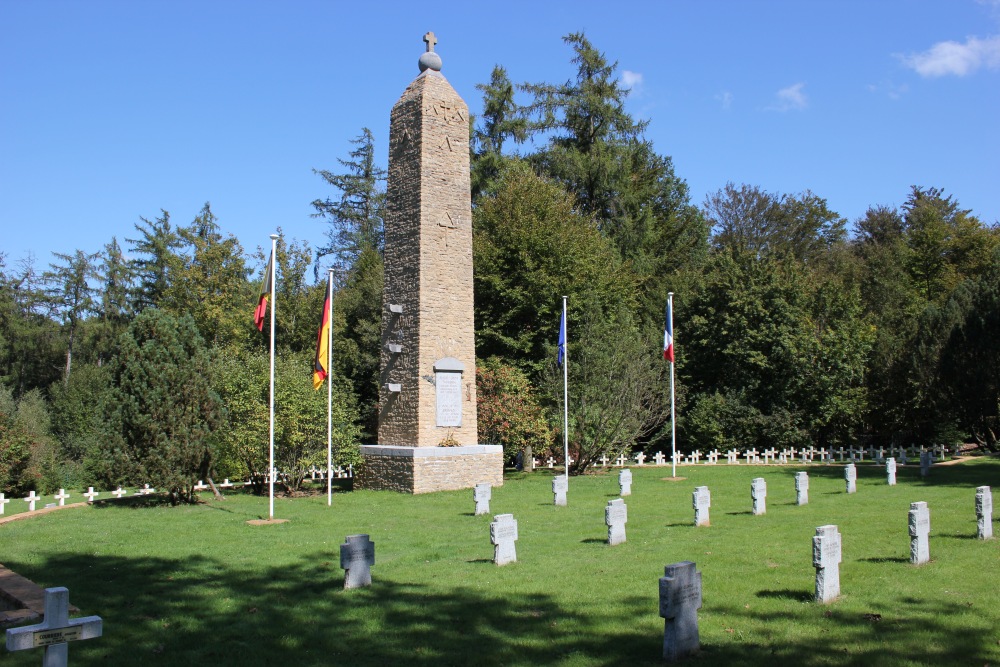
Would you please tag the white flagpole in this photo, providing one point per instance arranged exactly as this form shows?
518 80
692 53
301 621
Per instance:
271 278
566 393
329 395
673 418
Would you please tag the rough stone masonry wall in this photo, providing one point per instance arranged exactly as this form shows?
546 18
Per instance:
443 471
428 259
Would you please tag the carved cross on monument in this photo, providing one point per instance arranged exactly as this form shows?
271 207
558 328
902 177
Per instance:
55 631
431 40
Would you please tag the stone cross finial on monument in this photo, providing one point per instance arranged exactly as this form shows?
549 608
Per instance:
430 40
680 600
357 555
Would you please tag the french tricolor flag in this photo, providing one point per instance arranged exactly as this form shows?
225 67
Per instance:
668 331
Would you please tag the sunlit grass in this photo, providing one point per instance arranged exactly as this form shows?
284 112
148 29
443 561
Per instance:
198 585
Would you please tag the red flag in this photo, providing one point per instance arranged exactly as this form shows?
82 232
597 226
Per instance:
320 370
265 294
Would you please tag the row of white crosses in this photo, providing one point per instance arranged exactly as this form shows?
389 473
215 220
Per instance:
33 498
766 457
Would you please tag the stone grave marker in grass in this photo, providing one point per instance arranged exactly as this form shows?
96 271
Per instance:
616 516
890 471
481 494
559 488
926 459
61 497
801 488
758 493
851 477
31 500
701 500
357 555
680 600
55 631
920 528
503 534
625 482
826 559
3 502
984 512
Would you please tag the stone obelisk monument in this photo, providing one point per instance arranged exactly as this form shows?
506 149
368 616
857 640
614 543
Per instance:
428 440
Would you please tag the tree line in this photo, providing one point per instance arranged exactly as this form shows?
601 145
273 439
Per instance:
142 360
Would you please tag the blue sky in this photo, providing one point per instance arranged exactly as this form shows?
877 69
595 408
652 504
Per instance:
112 110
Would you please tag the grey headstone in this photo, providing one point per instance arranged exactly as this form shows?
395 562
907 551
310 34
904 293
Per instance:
851 477
481 494
616 516
801 488
920 528
680 600
826 559
503 534
758 493
984 512
357 555
625 482
701 500
890 471
559 487
926 459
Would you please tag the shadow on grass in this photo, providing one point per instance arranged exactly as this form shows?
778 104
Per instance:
787 594
202 610
885 559
746 513
593 540
958 536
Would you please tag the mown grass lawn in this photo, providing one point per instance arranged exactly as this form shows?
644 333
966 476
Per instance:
196 585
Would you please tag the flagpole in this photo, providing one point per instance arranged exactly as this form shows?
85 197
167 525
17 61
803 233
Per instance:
329 395
673 419
566 394
274 304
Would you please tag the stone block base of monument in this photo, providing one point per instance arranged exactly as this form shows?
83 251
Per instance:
429 469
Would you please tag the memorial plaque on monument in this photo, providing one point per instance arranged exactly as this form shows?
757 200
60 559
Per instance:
616 516
448 385
920 528
827 555
503 534
680 600
984 512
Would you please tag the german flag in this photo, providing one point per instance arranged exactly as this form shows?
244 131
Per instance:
320 371
260 314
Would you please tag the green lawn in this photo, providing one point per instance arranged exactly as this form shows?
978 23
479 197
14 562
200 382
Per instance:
198 586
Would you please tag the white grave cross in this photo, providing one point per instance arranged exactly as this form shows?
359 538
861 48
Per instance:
680 600
615 517
91 494
31 500
119 492
3 501
61 497
55 630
